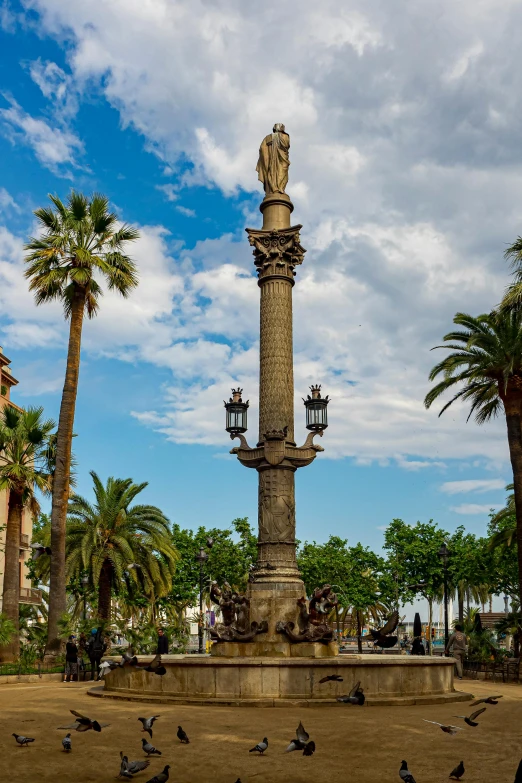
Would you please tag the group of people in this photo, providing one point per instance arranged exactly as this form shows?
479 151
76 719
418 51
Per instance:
78 650
93 649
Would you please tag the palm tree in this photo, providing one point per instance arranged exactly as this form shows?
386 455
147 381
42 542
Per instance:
507 520
24 437
513 295
80 240
486 361
119 544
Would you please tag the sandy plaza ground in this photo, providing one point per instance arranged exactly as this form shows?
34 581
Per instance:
360 744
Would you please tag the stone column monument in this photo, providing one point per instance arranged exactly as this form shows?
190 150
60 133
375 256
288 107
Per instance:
275 585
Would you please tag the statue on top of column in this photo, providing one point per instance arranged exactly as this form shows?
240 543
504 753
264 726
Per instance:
273 163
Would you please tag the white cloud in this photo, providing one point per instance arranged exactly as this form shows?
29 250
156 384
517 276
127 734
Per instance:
405 172
169 190
471 508
7 201
55 148
186 211
472 485
56 85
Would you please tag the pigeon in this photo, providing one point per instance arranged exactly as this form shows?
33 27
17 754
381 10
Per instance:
299 743
130 768
83 723
380 636
309 748
66 743
155 666
458 771
486 700
162 777
260 747
149 749
356 696
331 678
182 736
404 774
128 658
39 550
518 776
470 720
107 666
148 723
446 728
22 740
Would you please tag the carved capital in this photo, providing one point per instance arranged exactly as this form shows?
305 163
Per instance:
276 252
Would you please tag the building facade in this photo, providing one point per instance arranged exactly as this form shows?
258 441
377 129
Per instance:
28 595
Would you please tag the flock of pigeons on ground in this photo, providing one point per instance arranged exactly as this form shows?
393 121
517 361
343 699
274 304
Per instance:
301 741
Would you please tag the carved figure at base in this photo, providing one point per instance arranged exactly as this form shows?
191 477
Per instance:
313 620
235 611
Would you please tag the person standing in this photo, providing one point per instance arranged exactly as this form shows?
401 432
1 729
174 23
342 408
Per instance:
163 643
71 660
82 654
458 644
95 649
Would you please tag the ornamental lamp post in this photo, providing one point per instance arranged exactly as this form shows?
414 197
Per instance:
443 553
316 410
201 558
236 413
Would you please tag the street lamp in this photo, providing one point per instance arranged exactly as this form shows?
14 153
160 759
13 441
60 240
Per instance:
444 554
201 558
316 410
236 413
85 584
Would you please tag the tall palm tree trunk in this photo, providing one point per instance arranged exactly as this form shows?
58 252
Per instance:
64 435
359 633
104 591
513 408
11 593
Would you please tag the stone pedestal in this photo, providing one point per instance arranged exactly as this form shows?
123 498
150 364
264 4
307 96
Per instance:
280 649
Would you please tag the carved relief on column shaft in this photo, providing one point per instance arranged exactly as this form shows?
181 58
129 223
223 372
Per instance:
276 505
276 370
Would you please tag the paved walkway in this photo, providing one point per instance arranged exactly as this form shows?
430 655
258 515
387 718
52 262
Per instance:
365 745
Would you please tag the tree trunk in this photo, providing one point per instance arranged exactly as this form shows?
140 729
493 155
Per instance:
513 408
460 595
359 633
430 620
104 591
64 435
11 594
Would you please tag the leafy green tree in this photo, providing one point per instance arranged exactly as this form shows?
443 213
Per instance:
24 437
229 559
485 361
80 240
413 555
470 568
357 575
115 542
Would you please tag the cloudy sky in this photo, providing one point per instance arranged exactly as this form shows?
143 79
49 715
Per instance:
406 155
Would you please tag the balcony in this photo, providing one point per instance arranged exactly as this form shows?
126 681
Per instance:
30 595
24 541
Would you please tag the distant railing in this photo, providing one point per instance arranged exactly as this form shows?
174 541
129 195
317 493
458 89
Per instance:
24 540
30 595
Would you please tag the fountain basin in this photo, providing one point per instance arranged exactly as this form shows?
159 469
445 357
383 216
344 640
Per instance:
269 682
